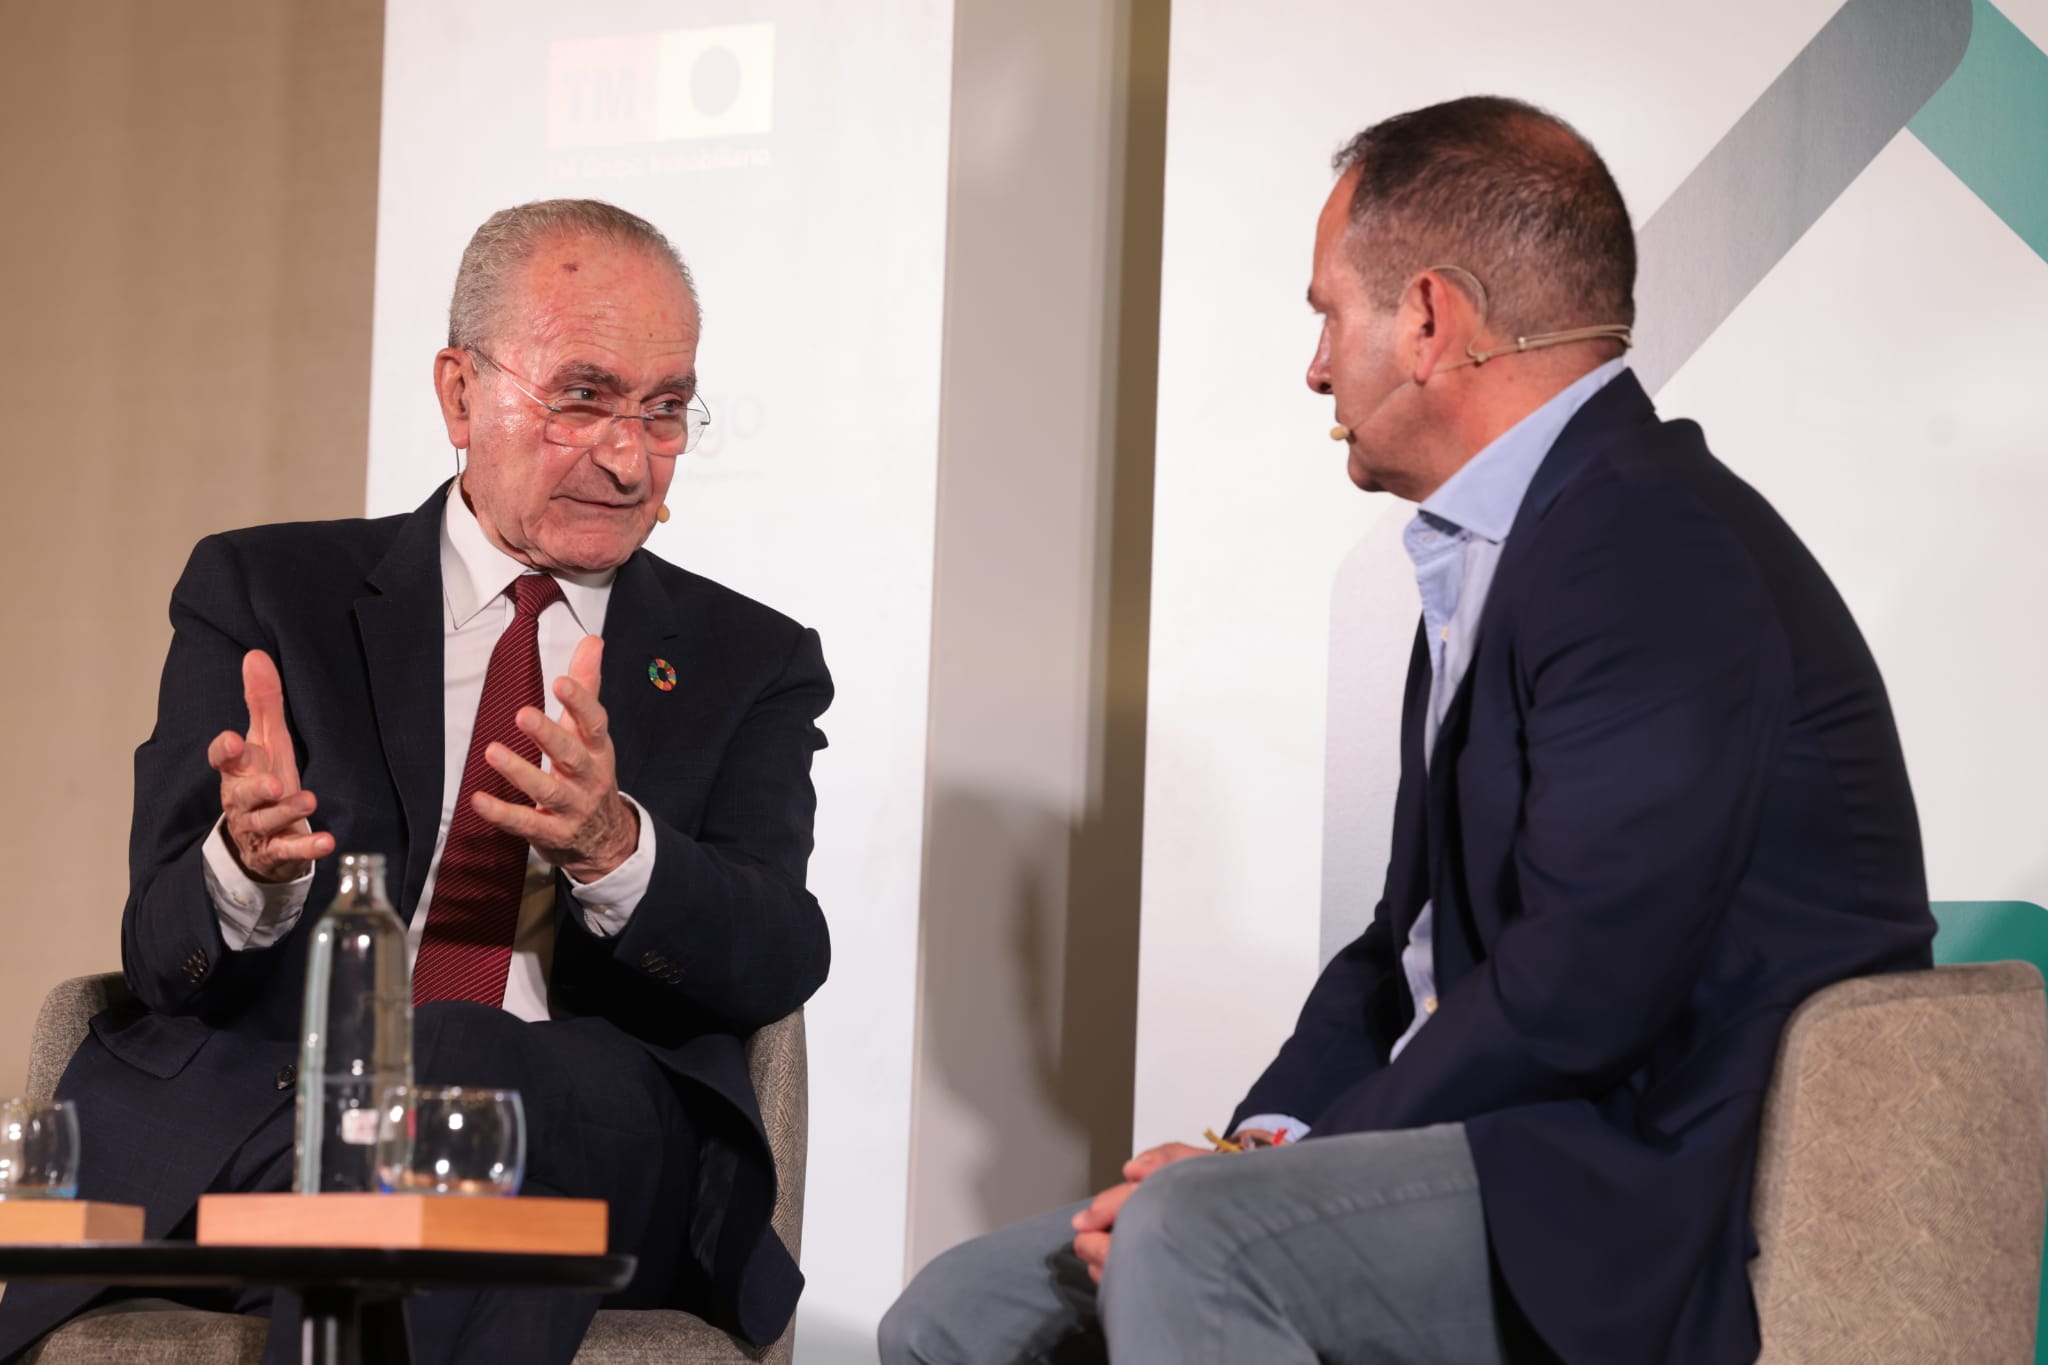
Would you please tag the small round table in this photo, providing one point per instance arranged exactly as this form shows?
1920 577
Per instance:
351 1296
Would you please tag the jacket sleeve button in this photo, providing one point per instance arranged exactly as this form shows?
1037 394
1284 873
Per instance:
286 1076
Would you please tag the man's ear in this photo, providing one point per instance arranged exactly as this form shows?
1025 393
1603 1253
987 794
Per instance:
1440 319
452 374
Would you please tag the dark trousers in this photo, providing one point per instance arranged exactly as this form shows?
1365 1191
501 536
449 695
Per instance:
603 1121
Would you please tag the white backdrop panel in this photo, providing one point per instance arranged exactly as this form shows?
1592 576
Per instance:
796 153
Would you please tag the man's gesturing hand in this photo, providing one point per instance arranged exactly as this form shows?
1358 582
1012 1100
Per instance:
1092 1225
578 820
263 806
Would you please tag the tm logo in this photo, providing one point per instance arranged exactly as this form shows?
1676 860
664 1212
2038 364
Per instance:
684 84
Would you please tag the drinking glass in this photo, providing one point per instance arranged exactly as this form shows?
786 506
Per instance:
451 1139
38 1149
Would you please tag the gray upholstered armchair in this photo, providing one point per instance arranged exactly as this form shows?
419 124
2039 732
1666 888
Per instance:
1903 1175
170 1335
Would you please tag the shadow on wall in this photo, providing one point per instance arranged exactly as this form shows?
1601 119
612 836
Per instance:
1373 613
822 1339
1029 1009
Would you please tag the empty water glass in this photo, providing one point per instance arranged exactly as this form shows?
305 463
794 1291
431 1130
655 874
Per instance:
38 1149
451 1139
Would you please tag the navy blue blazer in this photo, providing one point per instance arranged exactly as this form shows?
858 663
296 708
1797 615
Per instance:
726 939
1667 804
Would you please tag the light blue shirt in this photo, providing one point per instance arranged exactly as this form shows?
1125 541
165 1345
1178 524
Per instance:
1455 541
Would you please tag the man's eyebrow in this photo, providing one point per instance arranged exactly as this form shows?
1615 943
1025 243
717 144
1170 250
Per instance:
584 373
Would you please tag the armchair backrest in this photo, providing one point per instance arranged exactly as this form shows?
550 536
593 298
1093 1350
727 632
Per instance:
1903 1173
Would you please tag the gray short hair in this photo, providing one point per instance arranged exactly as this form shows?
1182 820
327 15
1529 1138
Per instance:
510 237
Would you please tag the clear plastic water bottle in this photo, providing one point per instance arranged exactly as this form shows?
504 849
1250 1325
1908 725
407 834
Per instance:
357 1032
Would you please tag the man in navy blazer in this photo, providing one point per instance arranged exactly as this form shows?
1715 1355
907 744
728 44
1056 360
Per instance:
1651 798
320 695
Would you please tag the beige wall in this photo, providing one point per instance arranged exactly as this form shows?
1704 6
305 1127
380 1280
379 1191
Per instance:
185 262
1029 923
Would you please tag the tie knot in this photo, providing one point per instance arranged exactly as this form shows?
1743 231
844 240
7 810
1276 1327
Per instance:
534 593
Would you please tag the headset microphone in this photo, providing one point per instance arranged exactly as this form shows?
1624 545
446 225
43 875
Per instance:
1475 357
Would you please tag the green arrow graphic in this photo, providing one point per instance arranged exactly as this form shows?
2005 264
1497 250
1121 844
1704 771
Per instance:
1989 124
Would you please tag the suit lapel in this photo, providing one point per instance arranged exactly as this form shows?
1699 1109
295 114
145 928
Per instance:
1617 409
1446 889
642 631
1413 820
1614 411
399 623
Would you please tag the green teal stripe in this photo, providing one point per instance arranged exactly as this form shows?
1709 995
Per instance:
1989 124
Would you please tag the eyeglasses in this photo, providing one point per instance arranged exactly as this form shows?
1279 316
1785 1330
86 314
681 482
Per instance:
670 427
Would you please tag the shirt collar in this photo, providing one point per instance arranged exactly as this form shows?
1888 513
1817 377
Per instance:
475 573
1484 496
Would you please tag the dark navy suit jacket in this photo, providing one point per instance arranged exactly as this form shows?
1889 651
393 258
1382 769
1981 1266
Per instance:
1667 803
726 939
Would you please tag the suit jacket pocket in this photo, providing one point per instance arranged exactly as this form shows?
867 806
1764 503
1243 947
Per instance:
160 1044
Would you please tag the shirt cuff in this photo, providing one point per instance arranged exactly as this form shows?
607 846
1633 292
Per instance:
252 914
1285 1128
609 902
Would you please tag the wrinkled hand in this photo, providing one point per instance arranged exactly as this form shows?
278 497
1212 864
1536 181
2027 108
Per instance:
1092 1225
578 821
265 809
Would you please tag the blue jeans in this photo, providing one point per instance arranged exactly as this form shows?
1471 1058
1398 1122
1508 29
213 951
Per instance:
1365 1248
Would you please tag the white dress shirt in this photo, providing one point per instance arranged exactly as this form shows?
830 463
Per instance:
474 577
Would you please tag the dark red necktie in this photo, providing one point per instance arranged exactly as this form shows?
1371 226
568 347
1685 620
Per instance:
466 948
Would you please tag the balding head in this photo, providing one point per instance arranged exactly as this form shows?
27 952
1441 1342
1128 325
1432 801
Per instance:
510 238
1503 190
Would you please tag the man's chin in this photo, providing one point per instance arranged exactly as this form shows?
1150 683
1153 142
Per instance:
589 537
1362 478
588 554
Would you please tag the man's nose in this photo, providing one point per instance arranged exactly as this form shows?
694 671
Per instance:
1319 367
621 452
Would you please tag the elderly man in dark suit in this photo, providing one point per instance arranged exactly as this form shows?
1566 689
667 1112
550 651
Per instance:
1651 798
603 881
